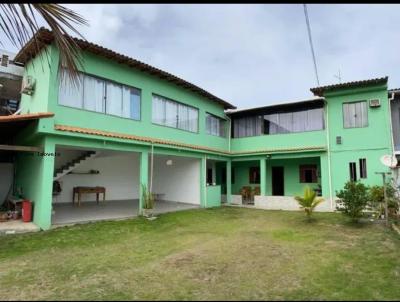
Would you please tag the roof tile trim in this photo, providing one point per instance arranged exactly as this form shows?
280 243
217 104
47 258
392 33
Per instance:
319 91
45 37
177 144
134 137
24 117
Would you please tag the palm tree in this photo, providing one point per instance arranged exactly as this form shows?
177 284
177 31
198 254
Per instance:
18 22
308 201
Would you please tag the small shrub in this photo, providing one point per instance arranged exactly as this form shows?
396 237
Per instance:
377 201
353 199
308 201
148 198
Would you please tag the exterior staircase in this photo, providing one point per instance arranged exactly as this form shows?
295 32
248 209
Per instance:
68 167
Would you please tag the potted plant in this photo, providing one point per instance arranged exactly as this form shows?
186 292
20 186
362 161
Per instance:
148 202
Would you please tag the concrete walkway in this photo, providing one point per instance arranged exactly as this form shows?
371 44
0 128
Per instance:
17 227
109 210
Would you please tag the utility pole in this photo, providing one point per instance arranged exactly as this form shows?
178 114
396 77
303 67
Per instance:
385 195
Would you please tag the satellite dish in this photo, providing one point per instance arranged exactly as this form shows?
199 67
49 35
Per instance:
389 161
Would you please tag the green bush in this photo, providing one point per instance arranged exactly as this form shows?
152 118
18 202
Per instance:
377 202
353 199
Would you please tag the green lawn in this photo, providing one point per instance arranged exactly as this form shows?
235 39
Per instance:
223 253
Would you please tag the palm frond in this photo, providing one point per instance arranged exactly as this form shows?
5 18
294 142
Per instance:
309 200
18 22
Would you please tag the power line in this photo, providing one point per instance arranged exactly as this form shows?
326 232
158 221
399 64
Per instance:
338 76
310 41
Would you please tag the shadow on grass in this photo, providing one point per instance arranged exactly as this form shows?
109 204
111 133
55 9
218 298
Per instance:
358 223
309 220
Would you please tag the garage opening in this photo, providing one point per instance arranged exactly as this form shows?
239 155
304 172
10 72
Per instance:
93 185
175 182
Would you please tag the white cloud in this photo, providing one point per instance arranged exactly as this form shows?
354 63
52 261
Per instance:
252 55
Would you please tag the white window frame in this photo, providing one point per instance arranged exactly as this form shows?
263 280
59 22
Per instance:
219 122
105 102
184 108
350 108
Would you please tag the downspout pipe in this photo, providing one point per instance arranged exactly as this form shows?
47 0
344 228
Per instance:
229 132
151 167
390 120
391 98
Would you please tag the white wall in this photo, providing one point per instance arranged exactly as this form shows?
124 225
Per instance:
65 157
288 203
6 178
119 174
179 182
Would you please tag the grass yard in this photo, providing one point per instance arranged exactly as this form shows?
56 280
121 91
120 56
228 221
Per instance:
224 253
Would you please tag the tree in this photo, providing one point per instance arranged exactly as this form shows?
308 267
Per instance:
308 201
18 22
353 199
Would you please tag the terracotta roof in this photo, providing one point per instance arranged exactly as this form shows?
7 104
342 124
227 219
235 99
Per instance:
24 117
134 137
319 91
178 144
45 37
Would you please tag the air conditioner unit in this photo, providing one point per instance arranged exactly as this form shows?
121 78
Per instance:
28 85
374 103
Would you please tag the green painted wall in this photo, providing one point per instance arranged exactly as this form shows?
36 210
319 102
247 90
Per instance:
34 178
39 70
280 141
291 172
241 171
46 99
213 196
370 142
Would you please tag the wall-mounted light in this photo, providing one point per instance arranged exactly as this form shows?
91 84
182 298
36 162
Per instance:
169 162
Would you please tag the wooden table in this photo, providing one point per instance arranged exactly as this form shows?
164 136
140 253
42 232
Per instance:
85 190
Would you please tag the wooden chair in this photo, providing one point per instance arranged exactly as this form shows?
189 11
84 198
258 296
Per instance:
254 191
246 194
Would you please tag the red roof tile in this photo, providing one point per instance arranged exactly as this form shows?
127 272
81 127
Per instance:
319 91
24 117
45 37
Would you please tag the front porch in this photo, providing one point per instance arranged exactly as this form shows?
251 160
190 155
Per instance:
271 181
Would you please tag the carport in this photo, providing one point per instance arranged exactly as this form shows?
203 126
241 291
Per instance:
118 173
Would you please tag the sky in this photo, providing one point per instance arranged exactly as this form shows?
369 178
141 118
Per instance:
252 55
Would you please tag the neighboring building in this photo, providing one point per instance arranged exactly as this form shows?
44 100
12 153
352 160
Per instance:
10 92
136 124
10 82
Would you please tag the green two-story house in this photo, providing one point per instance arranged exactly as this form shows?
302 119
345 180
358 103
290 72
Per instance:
128 125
